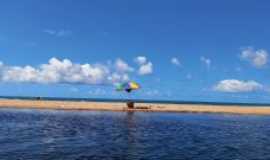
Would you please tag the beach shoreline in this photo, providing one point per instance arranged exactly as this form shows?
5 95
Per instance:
143 107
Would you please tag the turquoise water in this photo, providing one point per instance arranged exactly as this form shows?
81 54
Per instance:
75 135
243 103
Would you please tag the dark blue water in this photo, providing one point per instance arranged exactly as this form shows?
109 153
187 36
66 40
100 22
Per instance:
81 135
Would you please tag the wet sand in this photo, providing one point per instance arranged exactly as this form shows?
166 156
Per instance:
146 107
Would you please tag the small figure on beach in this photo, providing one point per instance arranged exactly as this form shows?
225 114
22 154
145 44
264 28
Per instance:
130 104
128 87
38 98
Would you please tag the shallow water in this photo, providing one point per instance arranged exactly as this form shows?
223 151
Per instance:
75 135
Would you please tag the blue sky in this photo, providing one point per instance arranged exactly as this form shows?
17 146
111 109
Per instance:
192 50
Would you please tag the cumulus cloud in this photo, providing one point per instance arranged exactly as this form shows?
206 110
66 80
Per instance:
146 69
140 60
145 66
66 71
58 33
63 71
175 61
257 58
206 61
118 77
122 66
234 85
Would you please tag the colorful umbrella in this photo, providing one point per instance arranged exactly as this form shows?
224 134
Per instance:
128 86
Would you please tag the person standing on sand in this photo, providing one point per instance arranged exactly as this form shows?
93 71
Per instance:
128 87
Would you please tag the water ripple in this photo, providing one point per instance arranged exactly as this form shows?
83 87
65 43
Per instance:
83 135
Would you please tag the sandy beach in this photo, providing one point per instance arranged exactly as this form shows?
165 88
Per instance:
145 107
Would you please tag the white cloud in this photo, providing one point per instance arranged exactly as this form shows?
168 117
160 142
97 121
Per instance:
206 61
117 77
146 69
233 85
49 31
65 71
58 33
145 66
175 61
140 60
122 66
257 58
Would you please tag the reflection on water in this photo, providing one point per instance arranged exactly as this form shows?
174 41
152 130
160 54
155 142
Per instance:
74 135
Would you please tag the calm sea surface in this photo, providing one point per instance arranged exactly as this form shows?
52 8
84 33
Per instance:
81 135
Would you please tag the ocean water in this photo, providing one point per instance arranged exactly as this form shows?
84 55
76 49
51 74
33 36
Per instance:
81 135
224 103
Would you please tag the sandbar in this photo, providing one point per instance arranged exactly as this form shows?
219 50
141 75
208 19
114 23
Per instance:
143 107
